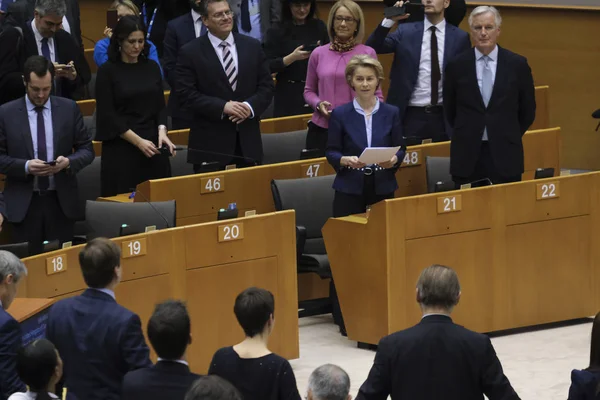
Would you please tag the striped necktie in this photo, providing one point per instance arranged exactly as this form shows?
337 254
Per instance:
229 65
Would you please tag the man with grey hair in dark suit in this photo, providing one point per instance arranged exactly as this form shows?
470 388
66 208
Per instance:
329 382
436 359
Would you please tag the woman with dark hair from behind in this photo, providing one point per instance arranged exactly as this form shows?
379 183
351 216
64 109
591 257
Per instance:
39 366
211 387
286 47
585 384
131 113
250 366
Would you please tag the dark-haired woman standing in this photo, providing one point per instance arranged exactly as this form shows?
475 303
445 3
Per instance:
287 51
131 113
585 383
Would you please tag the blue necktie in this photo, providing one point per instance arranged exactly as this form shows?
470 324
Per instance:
46 49
43 181
203 30
487 85
246 25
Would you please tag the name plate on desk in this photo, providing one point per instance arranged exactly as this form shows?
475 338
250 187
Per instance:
213 184
231 232
133 248
448 204
412 158
549 190
312 170
56 264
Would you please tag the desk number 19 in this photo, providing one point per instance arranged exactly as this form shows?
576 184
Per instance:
133 248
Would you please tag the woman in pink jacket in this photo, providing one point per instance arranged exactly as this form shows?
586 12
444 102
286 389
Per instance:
326 86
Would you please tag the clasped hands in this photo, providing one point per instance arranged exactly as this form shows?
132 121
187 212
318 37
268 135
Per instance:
238 112
353 162
40 168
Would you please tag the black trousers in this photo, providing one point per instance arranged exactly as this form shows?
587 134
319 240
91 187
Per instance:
316 137
44 220
485 168
345 204
424 124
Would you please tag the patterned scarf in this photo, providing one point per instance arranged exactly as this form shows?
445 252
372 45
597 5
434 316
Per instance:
342 47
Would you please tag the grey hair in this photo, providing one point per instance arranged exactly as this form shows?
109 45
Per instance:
329 382
56 7
438 286
11 265
484 10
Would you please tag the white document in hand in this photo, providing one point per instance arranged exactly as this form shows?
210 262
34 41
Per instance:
377 155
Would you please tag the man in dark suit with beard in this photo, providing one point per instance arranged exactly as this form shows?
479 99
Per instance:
489 100
224 81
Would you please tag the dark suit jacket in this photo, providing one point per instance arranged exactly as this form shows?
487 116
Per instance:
510 112
436 360
203 89
165 380
405 43
99 342
71 140
348 137
454 14
66 50
270 13
180 32
10 342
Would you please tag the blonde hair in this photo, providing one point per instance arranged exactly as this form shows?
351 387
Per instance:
363 60
356 12
128 4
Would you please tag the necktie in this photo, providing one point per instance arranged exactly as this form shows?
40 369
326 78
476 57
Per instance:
436 74
229 66
487 85
43 181
203 30
46 49
246 26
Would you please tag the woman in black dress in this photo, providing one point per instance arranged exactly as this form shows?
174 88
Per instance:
131 113
250 366
286 47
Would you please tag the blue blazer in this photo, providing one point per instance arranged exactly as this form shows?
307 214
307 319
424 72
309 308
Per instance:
584 384
101 53
99 342
10 342
405 43
348 137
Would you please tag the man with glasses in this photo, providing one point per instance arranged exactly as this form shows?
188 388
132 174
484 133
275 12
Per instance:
223 81
421 52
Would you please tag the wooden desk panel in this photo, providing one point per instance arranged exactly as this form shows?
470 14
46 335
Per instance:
22 309
520 262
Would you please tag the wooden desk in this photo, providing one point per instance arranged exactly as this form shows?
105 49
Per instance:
250 188
207 277
22 309
521 261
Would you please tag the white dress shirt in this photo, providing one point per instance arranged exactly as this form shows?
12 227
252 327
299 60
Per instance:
479 66
197 18
65 25
175 361
49 130
368 118
38 41
421 95
216 44
28 396
106 291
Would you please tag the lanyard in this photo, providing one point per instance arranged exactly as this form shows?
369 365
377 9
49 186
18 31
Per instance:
146 19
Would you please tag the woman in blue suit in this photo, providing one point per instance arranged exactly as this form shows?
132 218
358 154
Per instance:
365 122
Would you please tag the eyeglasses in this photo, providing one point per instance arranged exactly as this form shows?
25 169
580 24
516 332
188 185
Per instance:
339 19
223 14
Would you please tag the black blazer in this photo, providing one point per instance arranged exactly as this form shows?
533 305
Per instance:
10 342
71 140
165 380
509 114
203 89
66 50
436 360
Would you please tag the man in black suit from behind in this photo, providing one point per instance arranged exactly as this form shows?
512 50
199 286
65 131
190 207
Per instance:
436 359
224 81
489 100
169 333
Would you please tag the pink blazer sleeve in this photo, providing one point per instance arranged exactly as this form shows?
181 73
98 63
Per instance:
311 88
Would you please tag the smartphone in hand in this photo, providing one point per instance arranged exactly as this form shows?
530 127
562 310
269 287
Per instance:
51 163
111 18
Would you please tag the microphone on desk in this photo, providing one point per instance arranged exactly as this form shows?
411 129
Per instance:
156 210
197 152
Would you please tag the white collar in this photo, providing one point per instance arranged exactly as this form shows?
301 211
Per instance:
31 106
176 361
430 314
440 26
195 16
358 108
493 54
36 33
106 291
216 41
